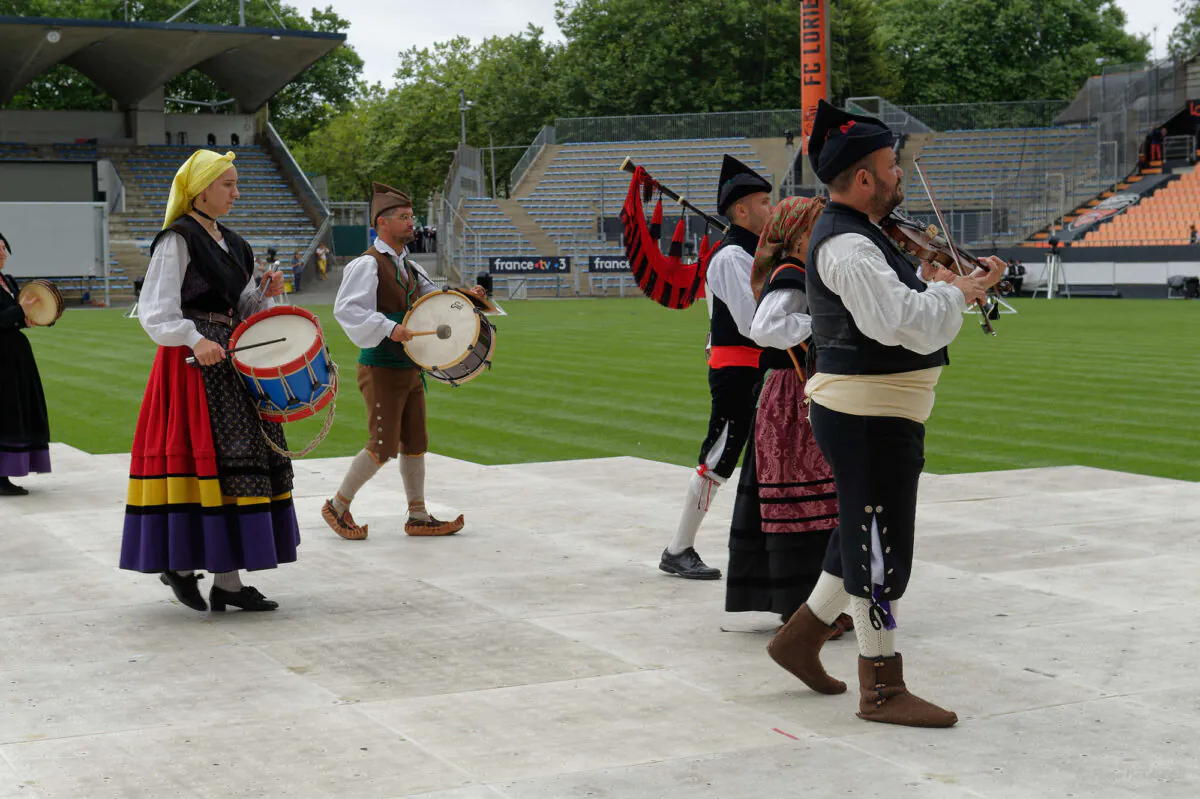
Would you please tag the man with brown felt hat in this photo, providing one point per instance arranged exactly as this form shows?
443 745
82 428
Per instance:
880 333
378 288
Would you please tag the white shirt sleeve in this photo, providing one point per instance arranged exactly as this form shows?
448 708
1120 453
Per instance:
159 304
885 309
728 279
356 306
782 320
252 301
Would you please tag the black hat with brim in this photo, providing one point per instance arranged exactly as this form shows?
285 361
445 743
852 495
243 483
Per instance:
840 139
738 181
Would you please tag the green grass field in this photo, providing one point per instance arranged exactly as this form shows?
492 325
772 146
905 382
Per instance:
1112 384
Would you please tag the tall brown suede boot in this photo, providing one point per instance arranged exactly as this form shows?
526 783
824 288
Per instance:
882 696
797 647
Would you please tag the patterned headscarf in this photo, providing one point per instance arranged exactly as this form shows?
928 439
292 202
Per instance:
791 221
196 175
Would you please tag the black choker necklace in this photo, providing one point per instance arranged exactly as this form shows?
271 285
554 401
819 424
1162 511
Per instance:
198 212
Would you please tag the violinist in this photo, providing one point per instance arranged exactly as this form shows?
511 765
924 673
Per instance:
880 334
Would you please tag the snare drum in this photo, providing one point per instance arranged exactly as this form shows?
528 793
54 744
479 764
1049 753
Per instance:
465 353
289 380
51 307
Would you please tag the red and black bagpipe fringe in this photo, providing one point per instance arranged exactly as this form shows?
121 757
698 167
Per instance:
666 279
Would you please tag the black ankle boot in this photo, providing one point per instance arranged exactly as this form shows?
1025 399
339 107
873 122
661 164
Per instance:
7 489
248 598
186 589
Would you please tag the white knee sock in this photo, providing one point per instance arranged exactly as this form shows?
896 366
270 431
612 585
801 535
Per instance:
701 491
228 581
412 471
362 469
872 643
829 598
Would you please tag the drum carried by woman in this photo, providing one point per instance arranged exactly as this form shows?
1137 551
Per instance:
24 423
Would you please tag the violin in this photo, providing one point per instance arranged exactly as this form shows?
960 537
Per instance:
925 243
929 245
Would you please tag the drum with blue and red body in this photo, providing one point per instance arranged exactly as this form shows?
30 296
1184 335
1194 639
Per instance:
291 379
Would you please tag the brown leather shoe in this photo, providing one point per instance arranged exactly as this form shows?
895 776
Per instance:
841 625
432 526
343 524
797 647
883 697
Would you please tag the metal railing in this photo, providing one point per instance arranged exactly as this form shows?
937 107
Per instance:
544 137
988 116
667 127
895 117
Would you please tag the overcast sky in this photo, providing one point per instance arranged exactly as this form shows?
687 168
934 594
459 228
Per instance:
380 29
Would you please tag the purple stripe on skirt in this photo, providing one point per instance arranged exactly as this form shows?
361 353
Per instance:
19 464
219 542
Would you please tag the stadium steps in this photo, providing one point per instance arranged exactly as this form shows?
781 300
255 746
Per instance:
528 227
535 172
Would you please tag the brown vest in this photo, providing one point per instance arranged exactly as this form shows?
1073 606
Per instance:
392 295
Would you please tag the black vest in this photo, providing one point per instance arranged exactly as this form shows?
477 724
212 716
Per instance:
841 347
788 275
214 279
724 329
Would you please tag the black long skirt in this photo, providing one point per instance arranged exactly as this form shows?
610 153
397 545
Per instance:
24 423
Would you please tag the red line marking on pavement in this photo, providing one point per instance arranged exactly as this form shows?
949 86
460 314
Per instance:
785 734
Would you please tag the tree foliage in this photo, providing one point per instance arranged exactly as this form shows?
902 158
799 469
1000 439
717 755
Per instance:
1185 39
970 51
321 91
405 136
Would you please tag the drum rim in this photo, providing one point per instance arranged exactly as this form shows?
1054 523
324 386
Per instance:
300 413
300 361
55 294
486 363
478 318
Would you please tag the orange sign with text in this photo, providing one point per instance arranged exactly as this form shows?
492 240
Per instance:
814 62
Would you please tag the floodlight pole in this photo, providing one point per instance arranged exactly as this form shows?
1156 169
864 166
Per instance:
242 13
462 110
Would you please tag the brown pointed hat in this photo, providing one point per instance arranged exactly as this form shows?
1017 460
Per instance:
385 198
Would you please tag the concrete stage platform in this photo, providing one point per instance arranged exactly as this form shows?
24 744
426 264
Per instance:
541 654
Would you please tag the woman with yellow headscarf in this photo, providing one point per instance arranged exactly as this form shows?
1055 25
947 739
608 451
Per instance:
786 507
206 493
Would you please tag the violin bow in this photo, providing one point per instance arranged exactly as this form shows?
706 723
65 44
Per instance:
984 322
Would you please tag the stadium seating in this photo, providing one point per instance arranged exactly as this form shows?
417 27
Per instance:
493 231
1163 218
583 181
267 214
1007 169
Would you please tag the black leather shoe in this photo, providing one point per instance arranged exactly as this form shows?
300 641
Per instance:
7 489
247 599
186 589
688 564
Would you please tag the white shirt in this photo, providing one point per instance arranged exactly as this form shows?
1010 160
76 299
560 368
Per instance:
728 279
782 320
159 304
882 307
356 307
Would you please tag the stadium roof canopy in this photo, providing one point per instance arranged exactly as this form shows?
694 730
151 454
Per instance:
130 60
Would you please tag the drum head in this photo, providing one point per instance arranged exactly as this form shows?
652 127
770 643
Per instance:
442 308
300 332
50 308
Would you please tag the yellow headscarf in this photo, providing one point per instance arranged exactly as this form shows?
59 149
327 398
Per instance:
196 175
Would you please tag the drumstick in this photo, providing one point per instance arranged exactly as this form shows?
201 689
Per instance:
443 331
192 361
